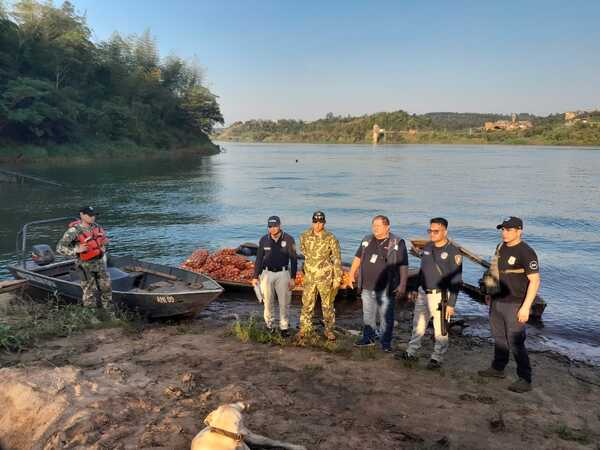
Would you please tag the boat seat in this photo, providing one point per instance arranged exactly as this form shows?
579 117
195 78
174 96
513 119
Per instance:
120 280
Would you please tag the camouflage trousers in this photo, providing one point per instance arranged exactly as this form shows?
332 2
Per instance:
94 278
309 298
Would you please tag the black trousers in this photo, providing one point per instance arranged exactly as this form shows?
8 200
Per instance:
509 335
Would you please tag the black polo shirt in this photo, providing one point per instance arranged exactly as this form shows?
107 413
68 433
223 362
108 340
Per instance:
441 268
276 254
520 257
374 266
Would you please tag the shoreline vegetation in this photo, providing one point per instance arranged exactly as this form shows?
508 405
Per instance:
63 96
400 127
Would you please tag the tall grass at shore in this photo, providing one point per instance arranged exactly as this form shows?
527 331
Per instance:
27 323
99 149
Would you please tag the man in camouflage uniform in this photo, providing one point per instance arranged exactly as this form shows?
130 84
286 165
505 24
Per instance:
322 274
94 276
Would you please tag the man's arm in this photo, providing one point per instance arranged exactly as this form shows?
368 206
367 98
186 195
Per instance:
401 290
403 269
303 245
293 258
293 262
258 263
532 289
353 270
336 256
455 279
66 245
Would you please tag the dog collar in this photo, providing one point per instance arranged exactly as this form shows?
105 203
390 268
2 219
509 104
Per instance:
235 436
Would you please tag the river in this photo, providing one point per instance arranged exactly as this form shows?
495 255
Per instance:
162 210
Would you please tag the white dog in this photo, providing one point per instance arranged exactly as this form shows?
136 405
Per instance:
225 430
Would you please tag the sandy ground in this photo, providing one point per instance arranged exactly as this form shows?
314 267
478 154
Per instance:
151 389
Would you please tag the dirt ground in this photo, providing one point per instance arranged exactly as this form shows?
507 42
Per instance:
152 388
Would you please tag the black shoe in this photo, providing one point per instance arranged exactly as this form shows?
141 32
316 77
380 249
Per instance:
364 343
490 372
284 333
520 386
405 356
387 348
434 364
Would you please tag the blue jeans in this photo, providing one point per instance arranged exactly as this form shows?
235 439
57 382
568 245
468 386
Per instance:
374 302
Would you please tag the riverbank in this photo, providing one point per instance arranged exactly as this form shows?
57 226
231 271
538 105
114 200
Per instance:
100 150
152 386
424 139
399 127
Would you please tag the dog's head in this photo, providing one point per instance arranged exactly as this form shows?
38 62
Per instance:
228 418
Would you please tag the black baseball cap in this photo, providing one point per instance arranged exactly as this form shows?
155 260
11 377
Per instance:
318 216
89 210
511 222
273 221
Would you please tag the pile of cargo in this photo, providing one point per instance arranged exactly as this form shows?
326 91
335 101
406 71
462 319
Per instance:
227 265
224 264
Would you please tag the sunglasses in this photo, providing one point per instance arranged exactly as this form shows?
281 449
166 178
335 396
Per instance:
273 226
430 231
318 220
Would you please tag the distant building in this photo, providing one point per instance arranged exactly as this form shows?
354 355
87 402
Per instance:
587 117
570 115
511 125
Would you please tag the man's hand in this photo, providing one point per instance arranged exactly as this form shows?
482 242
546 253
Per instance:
488 299
292 284
449 311
399 293
412 296
254 281
352 277
523 314
81 248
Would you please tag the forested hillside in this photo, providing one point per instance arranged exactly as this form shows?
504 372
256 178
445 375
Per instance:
436 127
58 89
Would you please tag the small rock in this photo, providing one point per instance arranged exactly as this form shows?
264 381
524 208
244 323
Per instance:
173 392
497 424
116 372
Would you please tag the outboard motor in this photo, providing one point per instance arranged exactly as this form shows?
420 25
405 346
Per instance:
42 254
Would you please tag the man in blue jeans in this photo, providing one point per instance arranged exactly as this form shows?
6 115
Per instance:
381 263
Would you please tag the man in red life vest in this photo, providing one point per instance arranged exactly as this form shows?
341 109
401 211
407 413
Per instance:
86 240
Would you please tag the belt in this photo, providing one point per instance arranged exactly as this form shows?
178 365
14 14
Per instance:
276 269
433 291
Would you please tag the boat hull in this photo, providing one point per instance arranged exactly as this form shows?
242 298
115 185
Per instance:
58 279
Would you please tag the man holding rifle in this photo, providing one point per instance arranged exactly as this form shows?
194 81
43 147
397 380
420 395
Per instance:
440 279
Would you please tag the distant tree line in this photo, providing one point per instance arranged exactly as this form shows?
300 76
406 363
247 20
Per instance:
436 127
58 87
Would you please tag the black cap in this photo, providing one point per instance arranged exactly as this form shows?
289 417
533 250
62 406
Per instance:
318 216
273 221
89 210
511 222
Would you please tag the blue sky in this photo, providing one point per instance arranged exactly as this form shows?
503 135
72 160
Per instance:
283 59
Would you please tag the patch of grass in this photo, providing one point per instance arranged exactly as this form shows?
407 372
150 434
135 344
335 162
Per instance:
28 322
566 433
252 330
312 369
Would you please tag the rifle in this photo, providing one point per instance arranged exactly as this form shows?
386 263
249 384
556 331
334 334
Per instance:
442 309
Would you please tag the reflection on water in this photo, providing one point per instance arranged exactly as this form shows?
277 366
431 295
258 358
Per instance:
162 210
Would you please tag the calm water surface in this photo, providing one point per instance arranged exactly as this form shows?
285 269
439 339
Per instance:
163 210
